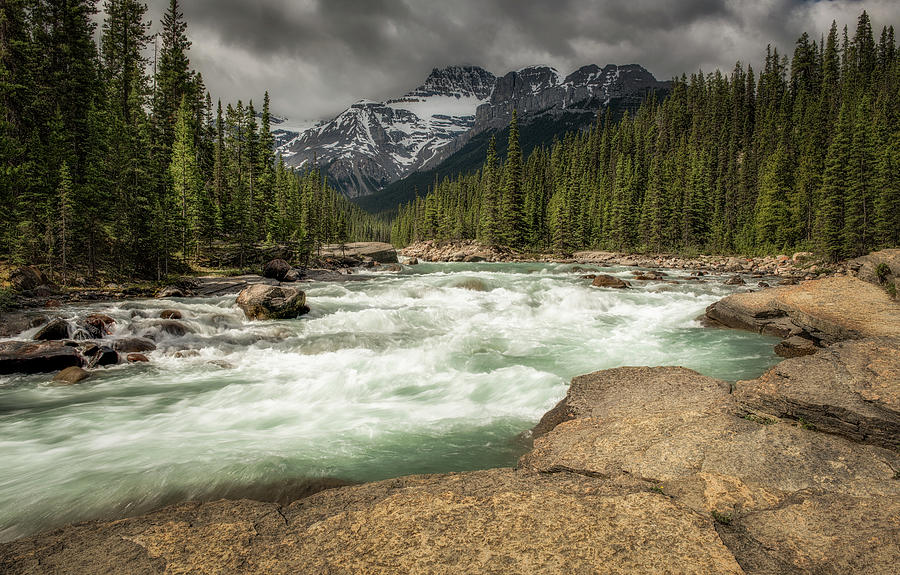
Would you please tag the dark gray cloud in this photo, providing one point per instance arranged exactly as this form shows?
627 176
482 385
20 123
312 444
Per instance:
317 56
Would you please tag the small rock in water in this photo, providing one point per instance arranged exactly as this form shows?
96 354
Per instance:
735 280
56 330
472 284
133 345
102 356
97 325
221 363
186 353
137 358
172 327
170 314
71 375
412 262
603 280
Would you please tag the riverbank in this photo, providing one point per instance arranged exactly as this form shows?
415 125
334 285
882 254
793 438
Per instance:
636 470
798 266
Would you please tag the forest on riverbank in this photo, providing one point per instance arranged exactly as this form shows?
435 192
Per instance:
807 156
112 161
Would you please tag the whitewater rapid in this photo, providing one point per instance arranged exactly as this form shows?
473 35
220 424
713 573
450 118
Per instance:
438 368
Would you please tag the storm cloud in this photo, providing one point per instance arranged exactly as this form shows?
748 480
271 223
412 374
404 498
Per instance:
318 56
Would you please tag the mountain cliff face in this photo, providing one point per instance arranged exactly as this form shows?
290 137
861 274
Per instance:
373 144
539 89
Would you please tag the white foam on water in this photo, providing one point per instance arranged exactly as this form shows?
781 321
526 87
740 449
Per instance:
434 369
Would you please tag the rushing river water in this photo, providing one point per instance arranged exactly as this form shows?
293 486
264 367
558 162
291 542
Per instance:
439 368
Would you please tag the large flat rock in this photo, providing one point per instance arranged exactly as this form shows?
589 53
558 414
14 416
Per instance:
708 454
851 389
496 521
829 310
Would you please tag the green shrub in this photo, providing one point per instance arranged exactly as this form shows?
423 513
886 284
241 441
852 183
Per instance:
721 518
882 271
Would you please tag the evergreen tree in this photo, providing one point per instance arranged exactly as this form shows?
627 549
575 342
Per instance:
184 201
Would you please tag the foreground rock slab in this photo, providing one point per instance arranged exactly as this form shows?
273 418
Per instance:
496 521
851 389
827 310
782 492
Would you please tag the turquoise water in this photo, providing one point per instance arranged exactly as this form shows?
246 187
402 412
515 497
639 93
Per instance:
438 368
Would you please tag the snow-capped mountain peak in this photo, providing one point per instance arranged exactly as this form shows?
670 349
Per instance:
372 144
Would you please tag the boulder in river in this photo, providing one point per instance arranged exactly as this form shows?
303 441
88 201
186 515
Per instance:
735 280
604 280
56 329
97 325
100 355
137 358
170 314
172 327
37 356
133 345
262 302
71 375
294 275
276 270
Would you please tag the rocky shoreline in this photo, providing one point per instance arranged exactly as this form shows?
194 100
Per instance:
636 470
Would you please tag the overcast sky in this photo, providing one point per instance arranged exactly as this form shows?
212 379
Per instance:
318 56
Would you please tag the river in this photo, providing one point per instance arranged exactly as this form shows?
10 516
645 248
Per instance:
438 368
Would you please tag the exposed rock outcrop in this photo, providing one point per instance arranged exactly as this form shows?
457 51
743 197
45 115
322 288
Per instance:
261 302
827 310
850 389
377 251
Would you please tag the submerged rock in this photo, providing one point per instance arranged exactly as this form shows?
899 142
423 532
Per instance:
71 375
56 329
37 357
262 302
604 280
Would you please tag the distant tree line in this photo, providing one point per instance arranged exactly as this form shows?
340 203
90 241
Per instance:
807 156
110 160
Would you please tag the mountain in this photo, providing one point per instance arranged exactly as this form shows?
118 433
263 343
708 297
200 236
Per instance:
372 145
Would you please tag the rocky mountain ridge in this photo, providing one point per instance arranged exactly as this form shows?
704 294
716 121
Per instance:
372 144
